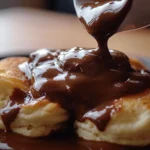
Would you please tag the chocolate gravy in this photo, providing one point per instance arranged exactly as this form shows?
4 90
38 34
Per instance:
84 81
9 113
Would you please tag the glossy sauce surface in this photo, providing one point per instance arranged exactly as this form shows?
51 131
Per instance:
80 80
83 81
10 111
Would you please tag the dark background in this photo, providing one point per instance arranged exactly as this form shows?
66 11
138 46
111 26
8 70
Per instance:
61 5
55 5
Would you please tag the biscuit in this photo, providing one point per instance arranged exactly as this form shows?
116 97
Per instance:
38 117
128 126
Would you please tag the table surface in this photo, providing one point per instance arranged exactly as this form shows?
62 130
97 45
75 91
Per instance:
23 30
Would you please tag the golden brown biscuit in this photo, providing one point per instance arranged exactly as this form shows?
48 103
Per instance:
36 118
10 72
128 126
11 77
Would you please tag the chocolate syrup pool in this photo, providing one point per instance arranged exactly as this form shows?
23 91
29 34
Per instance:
63 142
84 81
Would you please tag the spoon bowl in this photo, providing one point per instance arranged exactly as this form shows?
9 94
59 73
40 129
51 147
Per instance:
137 17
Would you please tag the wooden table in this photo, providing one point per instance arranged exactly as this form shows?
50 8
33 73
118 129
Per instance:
24 30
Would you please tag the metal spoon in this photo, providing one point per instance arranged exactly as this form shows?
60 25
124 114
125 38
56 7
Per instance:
138 16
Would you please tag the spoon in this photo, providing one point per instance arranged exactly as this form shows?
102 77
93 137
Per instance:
137 17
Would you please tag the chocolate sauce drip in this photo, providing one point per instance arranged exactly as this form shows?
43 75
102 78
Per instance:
102 18
11 110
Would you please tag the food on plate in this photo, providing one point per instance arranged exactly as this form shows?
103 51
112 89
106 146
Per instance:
127 126
100 94
20 113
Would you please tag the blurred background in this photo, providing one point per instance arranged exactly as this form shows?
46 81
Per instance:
27 25
56 5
